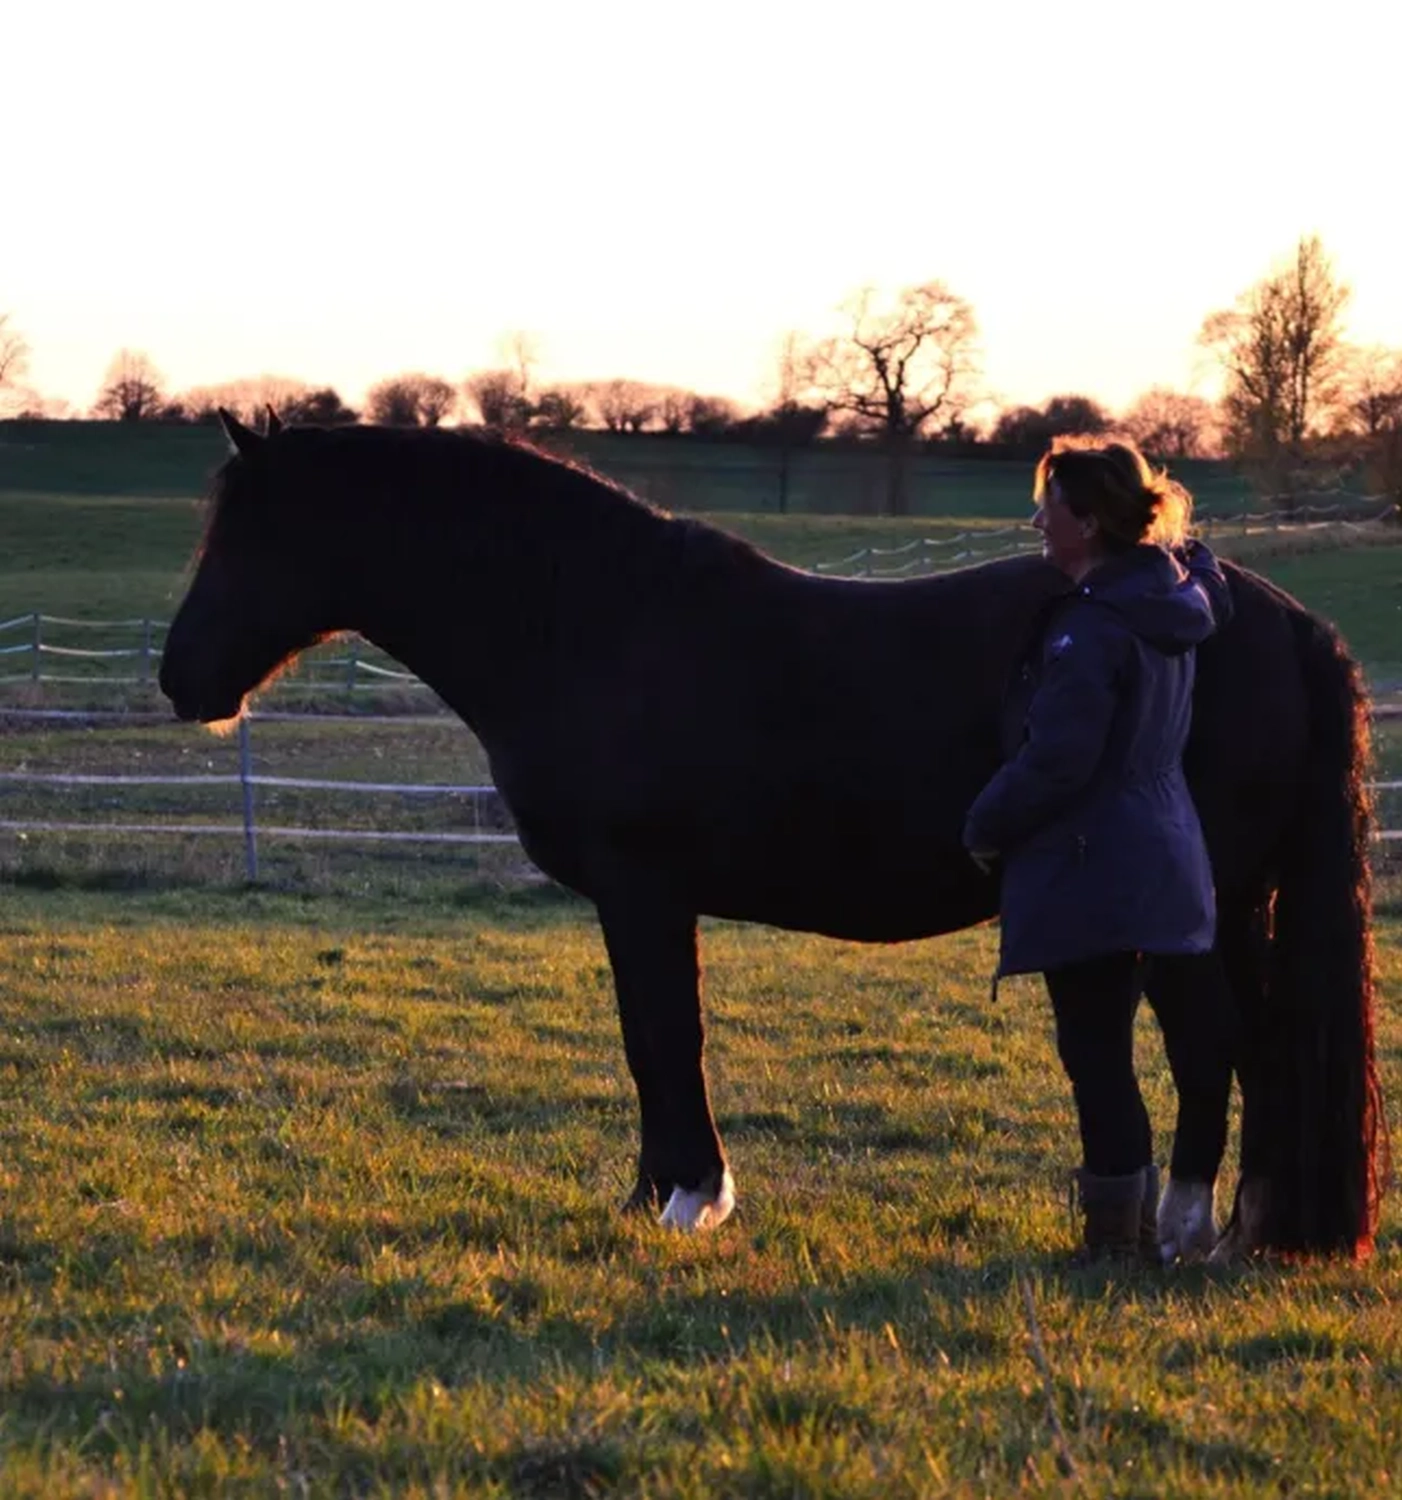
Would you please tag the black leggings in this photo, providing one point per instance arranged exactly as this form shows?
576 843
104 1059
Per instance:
1094 1003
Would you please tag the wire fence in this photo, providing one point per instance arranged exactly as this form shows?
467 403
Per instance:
490 818
928 556
490 821
126 653
123 653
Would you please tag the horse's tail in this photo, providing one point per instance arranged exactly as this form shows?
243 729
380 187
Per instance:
1326 1138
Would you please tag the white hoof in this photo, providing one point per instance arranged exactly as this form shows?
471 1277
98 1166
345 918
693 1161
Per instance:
1186 1230
690 1211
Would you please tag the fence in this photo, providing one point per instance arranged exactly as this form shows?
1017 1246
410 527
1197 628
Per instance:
926 556
359 667
247 781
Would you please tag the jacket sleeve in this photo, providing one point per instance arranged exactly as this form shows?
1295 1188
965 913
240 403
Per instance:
1068 723
1204 569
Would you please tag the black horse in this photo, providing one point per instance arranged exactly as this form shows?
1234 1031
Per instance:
681 725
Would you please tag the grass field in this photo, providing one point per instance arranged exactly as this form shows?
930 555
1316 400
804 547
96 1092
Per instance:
111 458
120 557
316 1196
311 1188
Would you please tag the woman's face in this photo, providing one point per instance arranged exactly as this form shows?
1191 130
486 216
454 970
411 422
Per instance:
1072 544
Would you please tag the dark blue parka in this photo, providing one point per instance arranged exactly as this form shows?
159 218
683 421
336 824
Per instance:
1101 848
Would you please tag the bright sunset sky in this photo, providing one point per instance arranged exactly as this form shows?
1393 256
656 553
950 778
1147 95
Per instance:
338 192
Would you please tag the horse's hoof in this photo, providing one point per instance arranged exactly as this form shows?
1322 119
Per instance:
1228 1250
1185 1228
695 1210
1244 1236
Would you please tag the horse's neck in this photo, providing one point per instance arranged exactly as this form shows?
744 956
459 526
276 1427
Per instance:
490 616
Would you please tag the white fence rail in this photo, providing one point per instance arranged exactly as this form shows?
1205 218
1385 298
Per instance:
926 556
248 781
142 640
51 638
38 642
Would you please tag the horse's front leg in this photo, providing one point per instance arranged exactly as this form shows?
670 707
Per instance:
652 947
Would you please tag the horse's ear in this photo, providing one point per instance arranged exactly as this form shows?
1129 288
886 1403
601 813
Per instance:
274 422
243 440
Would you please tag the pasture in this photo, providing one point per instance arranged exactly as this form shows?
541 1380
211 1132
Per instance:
316 1194
109 458
311 1188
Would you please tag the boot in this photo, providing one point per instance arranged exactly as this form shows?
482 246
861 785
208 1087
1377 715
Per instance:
1149 1251
1186 1230
1112 1210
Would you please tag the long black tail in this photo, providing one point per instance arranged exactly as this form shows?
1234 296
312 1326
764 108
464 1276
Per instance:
1326 1143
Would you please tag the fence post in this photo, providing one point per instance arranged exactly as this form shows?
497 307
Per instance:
250 838
38 643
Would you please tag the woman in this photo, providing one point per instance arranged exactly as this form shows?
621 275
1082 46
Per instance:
1104 867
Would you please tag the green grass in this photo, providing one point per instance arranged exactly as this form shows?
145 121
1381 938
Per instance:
310 1188
437 752
107 458
1360 590
319 1196
121 557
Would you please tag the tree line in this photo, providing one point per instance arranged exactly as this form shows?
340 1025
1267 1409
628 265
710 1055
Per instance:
1299 404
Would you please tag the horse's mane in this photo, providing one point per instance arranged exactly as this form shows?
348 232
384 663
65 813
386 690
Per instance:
454 467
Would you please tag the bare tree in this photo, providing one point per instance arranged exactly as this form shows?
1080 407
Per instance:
625 405
499 398
410 400
710 416
14 353
1075 413
1280 348
672 404
248 398
561 408
504 396
133 389
437 398
520 353
678 410
322 407
1031 428
1368 432
1371 383
793 419
897 368
1171 424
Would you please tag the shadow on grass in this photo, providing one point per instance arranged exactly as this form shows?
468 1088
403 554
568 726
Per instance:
378 1362
464 1109
105 880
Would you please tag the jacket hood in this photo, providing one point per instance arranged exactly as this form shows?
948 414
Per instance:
1156 596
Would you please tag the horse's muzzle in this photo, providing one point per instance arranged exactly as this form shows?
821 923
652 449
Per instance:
196 702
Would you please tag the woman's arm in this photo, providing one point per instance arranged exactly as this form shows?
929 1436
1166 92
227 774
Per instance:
1068 723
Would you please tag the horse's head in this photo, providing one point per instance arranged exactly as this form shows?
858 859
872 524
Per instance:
261 591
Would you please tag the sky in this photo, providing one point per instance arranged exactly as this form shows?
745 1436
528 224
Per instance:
341 193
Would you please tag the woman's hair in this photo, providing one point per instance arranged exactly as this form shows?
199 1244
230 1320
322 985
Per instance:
1112 480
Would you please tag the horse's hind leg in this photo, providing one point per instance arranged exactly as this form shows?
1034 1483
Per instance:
1191 996
652 947
1243 936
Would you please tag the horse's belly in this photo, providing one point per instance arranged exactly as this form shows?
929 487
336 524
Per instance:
902 897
